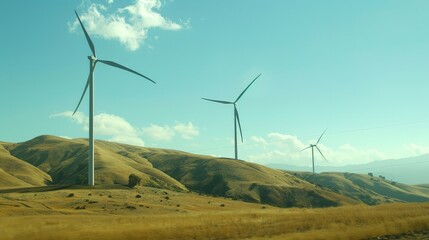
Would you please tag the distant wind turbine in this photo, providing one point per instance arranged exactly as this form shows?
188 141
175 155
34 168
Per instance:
236 117
312 146
90 82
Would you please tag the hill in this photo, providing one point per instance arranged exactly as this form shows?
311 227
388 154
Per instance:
60 161
65 161
368 189
15 172
410 170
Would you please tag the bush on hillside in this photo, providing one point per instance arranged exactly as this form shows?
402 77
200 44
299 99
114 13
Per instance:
134 180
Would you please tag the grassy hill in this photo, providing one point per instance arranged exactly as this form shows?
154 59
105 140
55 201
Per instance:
411 170
47 160
368 189
65 160
15 172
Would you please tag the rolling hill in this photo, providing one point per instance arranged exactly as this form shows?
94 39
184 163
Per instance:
53 160
410 170
15 172
368 189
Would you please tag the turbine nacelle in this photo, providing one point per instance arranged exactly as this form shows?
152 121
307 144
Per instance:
92 58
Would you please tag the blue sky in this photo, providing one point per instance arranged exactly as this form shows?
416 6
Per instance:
358 68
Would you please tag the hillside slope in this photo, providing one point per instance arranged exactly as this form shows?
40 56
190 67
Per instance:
368 189
65 160
242 180
411 170
17 173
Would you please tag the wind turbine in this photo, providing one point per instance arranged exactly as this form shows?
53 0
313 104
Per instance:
236 117
93 60
312 146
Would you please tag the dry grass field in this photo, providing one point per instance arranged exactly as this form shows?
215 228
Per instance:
115 212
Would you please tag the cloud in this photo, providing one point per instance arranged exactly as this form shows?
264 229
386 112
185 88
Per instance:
286 149
259 140
159 133
128 25
186 131
115 127
414 149
119 130
78 117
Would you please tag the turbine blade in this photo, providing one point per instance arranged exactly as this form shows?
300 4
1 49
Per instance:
321 136
84 91
117 65
321 153
218 101
88 39
305 148
247 88
238 120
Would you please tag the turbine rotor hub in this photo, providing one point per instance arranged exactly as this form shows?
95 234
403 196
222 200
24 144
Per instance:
92 58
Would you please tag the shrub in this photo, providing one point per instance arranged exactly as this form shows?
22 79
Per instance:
134 180
371 174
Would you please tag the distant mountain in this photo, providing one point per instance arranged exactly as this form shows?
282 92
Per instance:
47 160
412 170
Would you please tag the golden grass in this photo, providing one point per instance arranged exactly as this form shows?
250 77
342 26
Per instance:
351 222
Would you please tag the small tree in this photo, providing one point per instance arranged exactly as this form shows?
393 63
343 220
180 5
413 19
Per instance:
370 174
134 180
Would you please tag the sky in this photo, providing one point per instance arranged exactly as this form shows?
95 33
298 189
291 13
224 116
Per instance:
356 68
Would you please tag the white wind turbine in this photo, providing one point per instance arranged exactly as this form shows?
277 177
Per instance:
312 146
90 82
236 117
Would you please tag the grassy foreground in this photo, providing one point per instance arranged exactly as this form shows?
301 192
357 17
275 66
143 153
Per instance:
349 222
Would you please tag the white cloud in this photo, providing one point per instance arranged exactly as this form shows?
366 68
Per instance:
286 149
78 117
166 133
259 140
414 149
119 130
115 127
159 133
186 131
128 25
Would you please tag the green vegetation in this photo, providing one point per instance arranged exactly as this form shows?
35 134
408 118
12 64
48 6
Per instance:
134 180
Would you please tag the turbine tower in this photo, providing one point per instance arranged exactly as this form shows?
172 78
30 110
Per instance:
236 117
312 146
90 83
